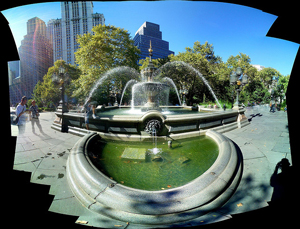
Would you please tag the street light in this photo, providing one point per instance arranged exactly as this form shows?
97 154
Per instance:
60 79
238 78
115 92
233 77
61 70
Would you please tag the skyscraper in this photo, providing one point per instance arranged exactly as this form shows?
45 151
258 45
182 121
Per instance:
36 56
77 18
14 82
150 31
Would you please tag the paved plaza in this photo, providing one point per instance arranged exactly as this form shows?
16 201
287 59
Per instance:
263 144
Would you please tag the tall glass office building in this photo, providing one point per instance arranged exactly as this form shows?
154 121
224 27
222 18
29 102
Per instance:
150 31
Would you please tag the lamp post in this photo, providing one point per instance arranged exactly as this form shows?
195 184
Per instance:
116 91
238 78
61 79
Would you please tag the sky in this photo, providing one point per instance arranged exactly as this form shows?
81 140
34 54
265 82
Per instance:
230 28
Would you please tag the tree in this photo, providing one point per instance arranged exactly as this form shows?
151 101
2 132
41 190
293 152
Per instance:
206 50
46 91
244 61
37 94
156 62
283 82
266 76
202 58
280 89
105 48
255 91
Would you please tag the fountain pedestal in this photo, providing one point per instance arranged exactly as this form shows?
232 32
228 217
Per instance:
151 106
153 90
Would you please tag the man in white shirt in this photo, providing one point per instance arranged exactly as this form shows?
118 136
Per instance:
21 113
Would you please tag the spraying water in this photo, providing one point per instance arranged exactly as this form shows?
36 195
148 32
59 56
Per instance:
130 82
118 71
110 74
174 63
155 150
99 82
174 86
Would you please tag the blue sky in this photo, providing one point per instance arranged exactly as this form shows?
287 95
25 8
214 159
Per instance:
230 28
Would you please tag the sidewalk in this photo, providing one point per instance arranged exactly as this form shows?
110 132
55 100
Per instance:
34 149
263 144
45 156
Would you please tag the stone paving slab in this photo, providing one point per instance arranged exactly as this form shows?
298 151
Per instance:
43 154
263 144
65 198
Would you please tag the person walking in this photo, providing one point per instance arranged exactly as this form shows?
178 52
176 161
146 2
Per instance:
272 107
34 116
224 106
21 115
89 109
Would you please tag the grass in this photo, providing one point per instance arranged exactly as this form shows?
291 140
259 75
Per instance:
212 103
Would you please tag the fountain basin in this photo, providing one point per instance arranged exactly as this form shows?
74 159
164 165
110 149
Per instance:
176 122
105 196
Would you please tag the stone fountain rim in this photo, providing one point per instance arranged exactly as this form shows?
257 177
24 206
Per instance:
100 193
165 117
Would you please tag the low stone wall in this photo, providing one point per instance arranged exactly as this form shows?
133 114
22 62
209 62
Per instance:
170 125
105 196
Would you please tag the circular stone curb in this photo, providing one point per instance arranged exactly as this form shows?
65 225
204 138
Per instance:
105 196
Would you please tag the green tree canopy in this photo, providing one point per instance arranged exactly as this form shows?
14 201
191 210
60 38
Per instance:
266 75
105 48
242 60
46 91
203 59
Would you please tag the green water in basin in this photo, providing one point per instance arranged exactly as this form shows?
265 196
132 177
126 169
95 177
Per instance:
135 165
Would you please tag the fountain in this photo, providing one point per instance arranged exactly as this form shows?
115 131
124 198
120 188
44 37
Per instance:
154 91
152 164
150 106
